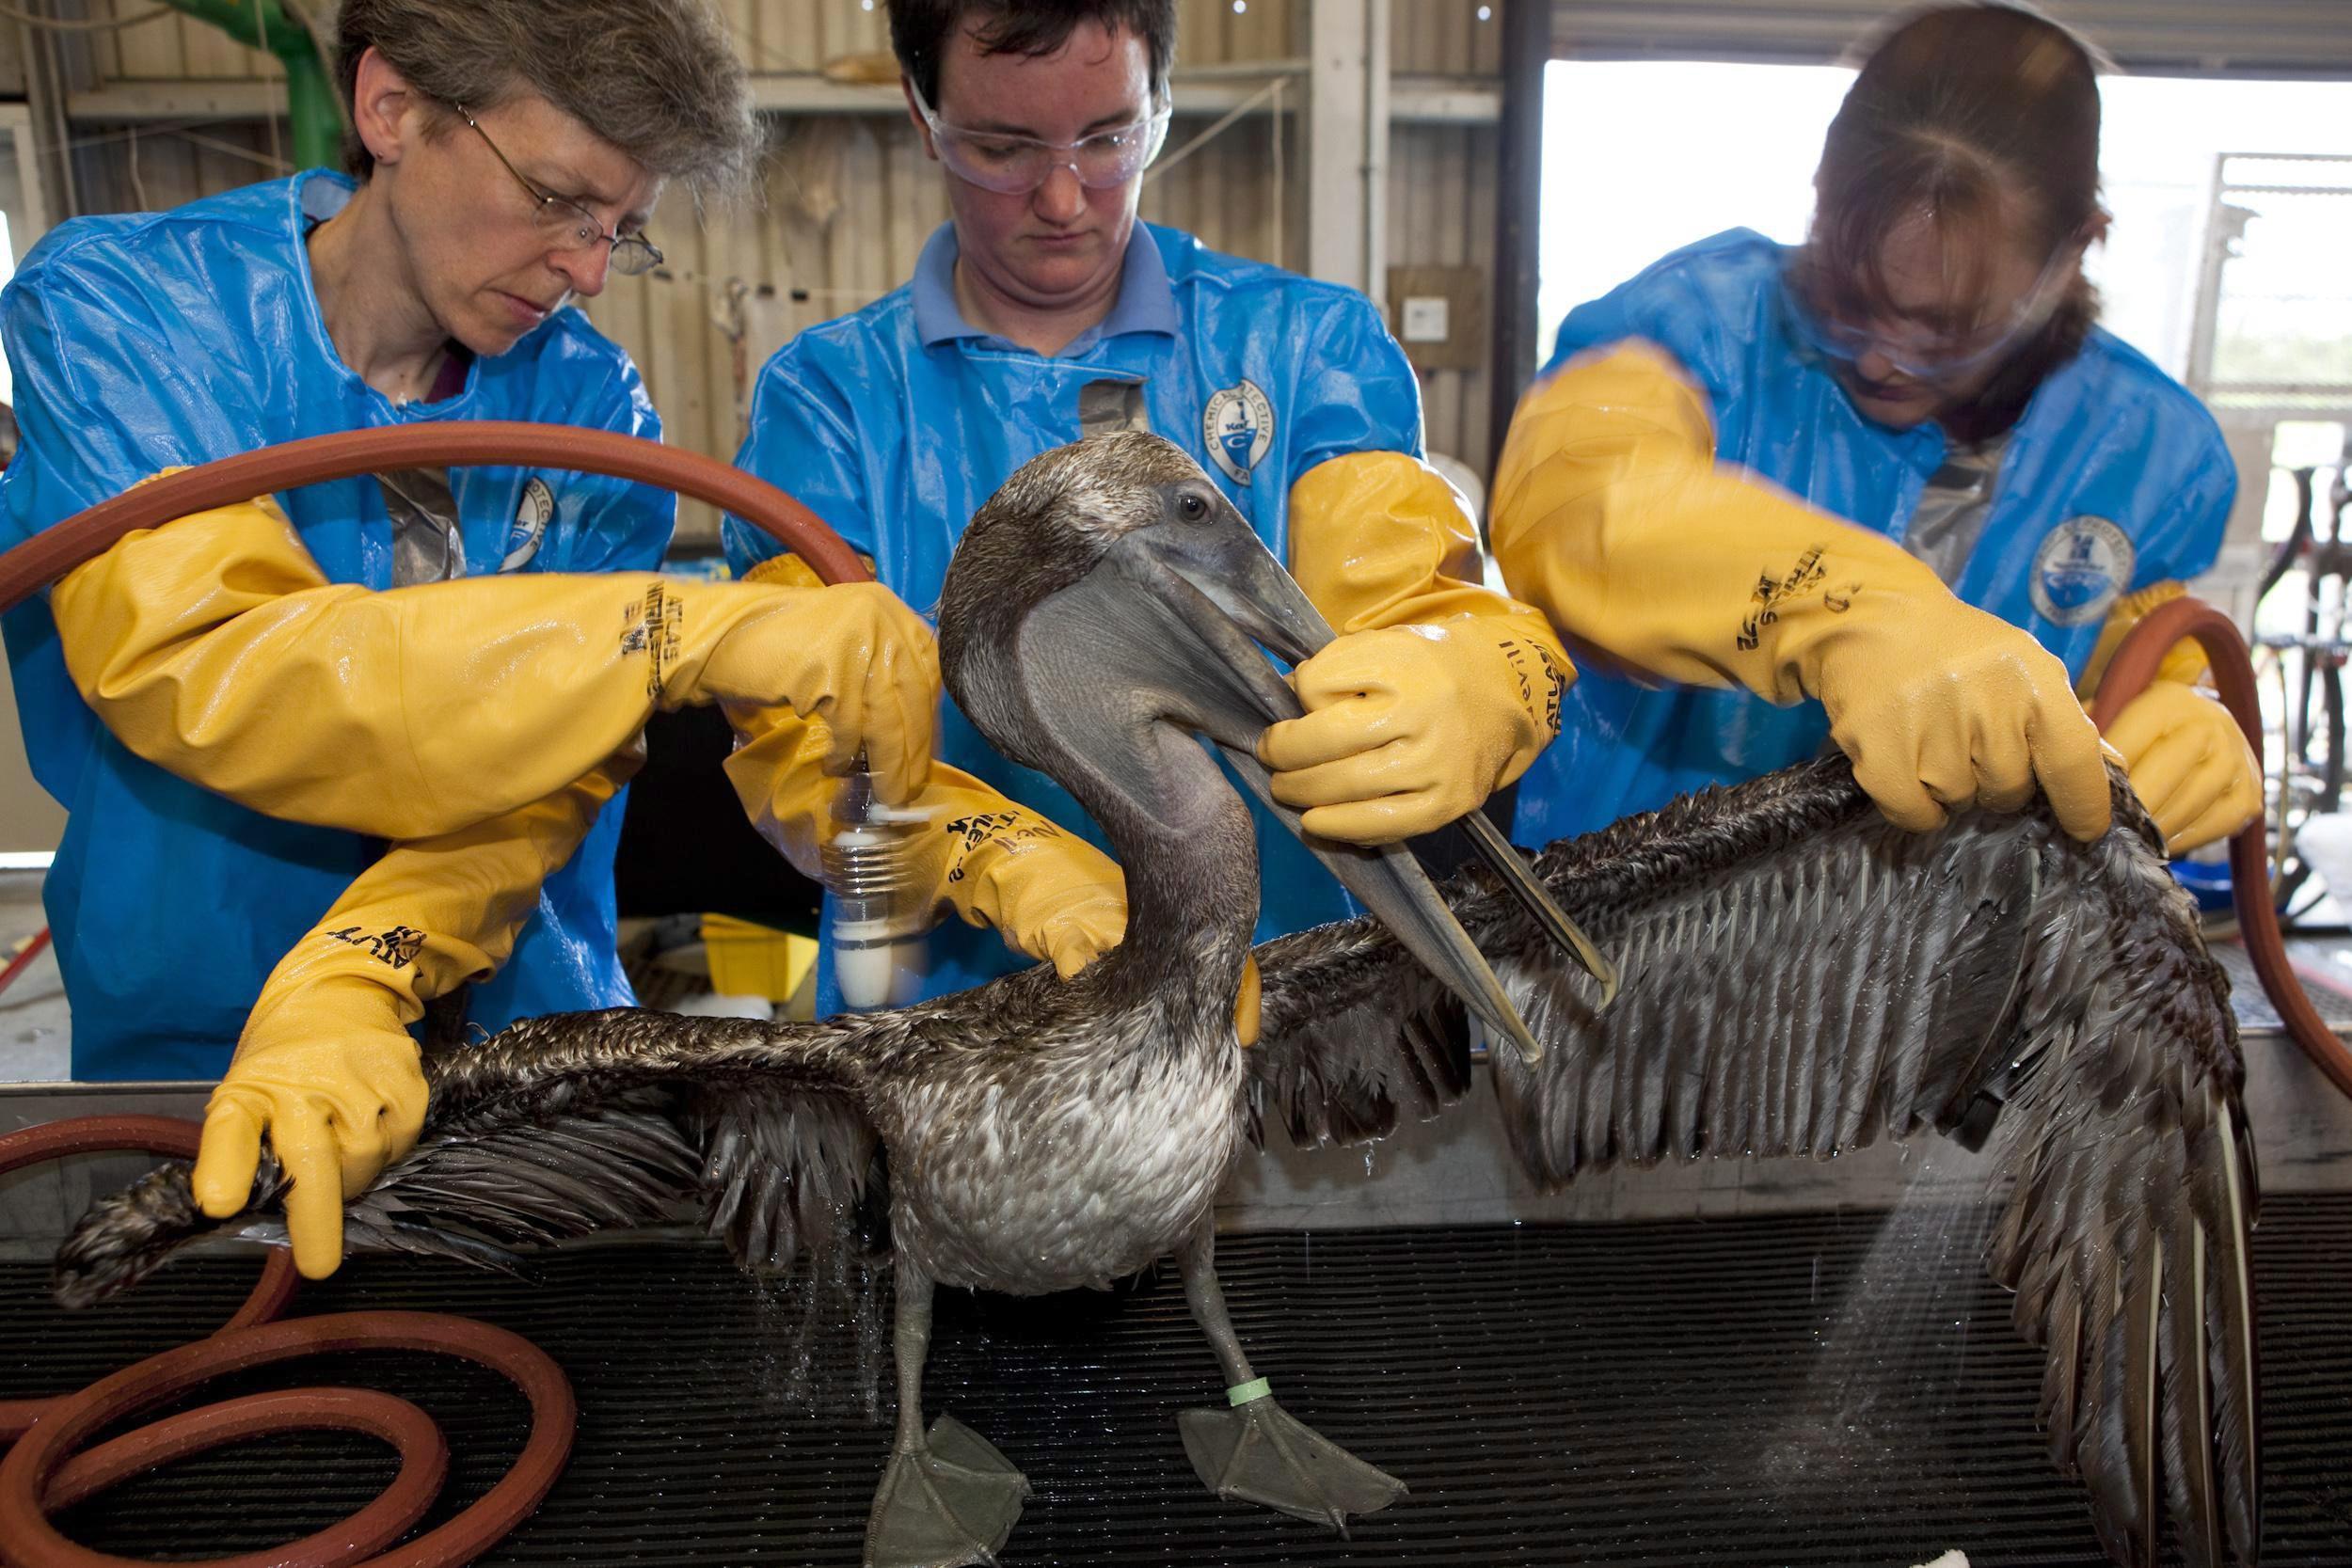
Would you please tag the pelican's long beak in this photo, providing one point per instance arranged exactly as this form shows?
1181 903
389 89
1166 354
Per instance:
1226 562
1214 599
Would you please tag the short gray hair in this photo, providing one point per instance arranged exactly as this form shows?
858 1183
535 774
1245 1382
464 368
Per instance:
659 79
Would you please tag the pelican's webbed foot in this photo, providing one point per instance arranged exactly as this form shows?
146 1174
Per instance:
1262 1453
952 1501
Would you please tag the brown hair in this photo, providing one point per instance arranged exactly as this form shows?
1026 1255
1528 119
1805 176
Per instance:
1954 108
919 31
659 79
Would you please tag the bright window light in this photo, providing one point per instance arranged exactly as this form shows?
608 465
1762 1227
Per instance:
1641 157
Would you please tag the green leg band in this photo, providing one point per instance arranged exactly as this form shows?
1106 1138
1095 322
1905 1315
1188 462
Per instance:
1244 1393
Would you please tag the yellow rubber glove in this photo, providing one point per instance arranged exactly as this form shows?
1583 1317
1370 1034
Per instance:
1437 692
1246 1004
326 1067
2189 764
1612 515
1049 895
215 648
2188 759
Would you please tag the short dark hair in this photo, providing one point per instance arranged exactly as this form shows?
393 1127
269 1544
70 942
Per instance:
919 31
659 79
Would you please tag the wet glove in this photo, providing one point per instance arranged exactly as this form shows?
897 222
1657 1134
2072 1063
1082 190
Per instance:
215 648
1049 894
327 1068
2189 764
1611 515
328 1071
1437 692
2188 759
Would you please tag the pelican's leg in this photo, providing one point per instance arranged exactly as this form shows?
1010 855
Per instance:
1254 1450
949 1497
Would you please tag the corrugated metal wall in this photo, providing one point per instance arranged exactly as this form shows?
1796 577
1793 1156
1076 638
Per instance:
847 199
172 47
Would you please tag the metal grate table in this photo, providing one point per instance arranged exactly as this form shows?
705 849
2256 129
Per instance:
1809 1389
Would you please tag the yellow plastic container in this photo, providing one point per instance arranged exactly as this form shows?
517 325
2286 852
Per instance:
750 959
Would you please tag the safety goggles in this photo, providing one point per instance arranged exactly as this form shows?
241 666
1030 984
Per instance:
1942 357
1015 166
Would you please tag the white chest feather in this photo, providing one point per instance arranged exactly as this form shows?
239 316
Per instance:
1067 1173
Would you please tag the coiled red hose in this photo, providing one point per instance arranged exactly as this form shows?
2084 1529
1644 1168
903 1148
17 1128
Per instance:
2127 676
26 1488
40 1474
146 1135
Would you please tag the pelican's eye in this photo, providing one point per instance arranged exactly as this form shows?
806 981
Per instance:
1192 506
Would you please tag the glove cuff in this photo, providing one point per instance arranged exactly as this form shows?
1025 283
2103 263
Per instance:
997 863
989 847
1854 591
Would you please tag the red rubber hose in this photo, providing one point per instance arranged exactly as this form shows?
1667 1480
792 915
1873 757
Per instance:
2133 667
17 965
496 443
423 1451
30 1540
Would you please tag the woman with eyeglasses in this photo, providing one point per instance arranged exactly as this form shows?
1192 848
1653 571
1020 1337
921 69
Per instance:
1895 481
239 710
1044 312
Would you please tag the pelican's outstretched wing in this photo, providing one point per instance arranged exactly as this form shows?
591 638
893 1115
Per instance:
1799 977
559 1126
1352 1034
773 1115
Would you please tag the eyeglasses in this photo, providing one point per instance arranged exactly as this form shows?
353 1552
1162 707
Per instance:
570 226
1942 356
1015 166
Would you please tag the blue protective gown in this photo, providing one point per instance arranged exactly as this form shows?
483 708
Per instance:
2116 478
148 341
896 423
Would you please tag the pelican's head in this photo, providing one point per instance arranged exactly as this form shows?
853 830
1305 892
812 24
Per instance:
1107 594
1135 518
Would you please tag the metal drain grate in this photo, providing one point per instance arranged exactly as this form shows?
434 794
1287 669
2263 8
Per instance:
1680 1393
2317 961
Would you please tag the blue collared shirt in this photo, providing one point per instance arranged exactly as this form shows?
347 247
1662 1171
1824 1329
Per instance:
1145 303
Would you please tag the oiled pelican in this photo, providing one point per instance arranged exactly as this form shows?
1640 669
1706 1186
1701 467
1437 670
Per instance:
1797 978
